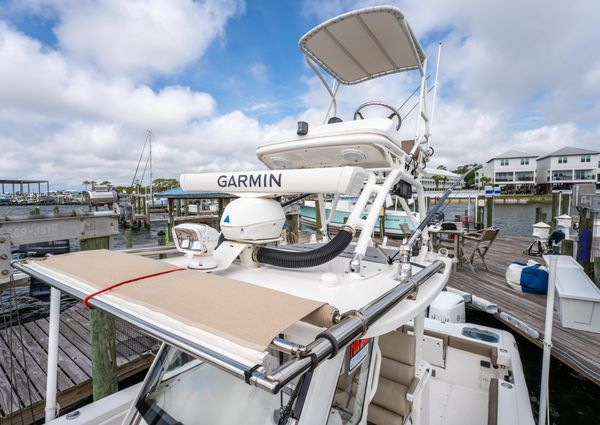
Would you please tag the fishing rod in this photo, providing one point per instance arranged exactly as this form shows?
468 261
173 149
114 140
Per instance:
405 249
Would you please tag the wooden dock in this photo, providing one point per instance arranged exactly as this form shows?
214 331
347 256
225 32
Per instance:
578 349
24 356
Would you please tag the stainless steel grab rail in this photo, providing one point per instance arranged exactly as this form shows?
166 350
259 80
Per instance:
351 326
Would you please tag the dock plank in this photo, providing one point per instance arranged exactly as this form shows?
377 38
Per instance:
81 328
24 358
40 355
19 375
72 345
127 350
69 367
27 394
578 349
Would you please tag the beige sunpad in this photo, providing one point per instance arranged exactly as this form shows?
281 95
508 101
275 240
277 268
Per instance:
245 314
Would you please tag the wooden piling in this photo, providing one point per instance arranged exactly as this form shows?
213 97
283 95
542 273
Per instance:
565 200
318 219
293 233
555 211
103 336
147 213
567 247
162 241
538 215
489 208
128 233
478 215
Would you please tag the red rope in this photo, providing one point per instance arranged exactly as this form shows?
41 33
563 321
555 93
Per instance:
86 300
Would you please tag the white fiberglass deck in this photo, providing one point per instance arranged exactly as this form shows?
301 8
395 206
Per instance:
456 404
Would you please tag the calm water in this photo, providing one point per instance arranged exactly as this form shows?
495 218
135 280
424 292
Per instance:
30 308
573 399
513 220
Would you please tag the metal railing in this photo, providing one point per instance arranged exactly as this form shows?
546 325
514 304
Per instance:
350 327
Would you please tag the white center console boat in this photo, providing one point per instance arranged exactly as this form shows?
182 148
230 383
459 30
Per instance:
332 333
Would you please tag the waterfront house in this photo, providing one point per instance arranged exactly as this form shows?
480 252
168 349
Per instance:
513 171
439 179
563 168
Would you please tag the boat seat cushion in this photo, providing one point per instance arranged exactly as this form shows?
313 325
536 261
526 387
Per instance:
389 406
396 371
398 346
391 396
380 416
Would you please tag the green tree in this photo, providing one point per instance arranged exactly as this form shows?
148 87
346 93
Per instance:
162 184
470 178
86 183
121 189
437 178
106 183
485 181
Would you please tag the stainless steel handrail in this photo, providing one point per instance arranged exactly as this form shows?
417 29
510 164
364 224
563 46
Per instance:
347 330
352 326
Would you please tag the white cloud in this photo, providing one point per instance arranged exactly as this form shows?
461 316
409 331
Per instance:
38 82
259 71
140 37
514 76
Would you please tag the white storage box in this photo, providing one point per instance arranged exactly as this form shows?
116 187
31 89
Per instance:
564 221
541 230
577 297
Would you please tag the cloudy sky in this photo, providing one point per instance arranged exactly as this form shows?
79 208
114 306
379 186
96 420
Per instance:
82 81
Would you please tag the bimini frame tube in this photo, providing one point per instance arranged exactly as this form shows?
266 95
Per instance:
326 344
352 326
216 359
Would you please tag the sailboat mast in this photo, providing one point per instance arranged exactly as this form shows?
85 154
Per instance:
151 189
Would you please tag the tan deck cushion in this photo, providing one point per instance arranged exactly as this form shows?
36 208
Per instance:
396 371
380 416
392 396
398 346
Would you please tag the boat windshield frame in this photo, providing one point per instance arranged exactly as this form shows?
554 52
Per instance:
145 409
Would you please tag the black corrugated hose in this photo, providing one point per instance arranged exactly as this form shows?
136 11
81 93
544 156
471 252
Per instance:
313 258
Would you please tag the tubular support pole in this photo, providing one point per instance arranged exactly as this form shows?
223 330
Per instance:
547 342
53 334
322 214
435 88
381 193
344 332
